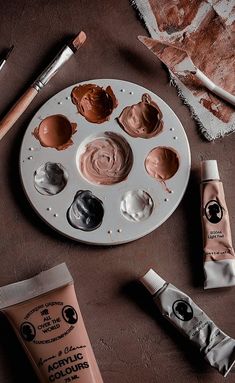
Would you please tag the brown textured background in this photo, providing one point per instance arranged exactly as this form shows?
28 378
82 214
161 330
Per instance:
130 339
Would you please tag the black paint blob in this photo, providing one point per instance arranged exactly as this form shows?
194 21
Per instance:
86 212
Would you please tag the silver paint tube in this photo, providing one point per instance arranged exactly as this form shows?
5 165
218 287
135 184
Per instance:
217 348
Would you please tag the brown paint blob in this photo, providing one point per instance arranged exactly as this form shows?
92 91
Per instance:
142 120
162 163
55 132
93 102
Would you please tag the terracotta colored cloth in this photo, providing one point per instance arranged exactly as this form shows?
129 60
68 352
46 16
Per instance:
205 29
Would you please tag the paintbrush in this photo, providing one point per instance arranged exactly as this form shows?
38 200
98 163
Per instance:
179 62
24 101
5 57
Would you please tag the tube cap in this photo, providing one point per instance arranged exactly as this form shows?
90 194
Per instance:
209 170
152 281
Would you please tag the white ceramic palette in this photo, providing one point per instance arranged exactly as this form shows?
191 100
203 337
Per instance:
115 227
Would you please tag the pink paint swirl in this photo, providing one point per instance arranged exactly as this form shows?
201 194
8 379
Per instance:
106 160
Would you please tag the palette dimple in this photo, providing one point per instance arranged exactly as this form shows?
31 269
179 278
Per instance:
127 201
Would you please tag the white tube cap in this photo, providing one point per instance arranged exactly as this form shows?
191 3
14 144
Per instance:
152 281
209 170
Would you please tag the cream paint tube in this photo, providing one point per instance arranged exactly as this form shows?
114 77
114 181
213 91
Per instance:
219 256
217 348
45 315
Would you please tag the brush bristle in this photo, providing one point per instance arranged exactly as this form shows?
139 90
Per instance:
79 40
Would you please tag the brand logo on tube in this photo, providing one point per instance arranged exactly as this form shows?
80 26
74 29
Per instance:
182 310
48 322
213 211
69 314
27 331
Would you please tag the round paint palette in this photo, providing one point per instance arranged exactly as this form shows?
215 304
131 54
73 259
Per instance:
83 209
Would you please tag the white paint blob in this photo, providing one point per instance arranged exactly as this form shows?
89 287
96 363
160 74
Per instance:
136 205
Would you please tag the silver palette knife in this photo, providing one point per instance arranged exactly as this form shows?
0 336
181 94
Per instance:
179 62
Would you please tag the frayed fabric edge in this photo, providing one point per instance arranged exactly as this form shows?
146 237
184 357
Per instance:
196 117
141 17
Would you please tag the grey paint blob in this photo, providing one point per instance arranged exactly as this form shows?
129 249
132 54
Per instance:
50 178
86 212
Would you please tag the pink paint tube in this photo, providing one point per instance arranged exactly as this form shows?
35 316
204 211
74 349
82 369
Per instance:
45 315
219 256
217 348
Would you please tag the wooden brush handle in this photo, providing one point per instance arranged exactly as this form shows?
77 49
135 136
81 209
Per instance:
16 111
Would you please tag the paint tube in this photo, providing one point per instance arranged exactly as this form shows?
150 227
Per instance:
219 256
217 348
45 315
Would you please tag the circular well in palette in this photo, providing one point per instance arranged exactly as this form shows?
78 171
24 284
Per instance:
50 178
136 186
105 159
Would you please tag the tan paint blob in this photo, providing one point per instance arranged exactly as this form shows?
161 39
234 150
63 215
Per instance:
93 102
142 120
55 132
162 163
